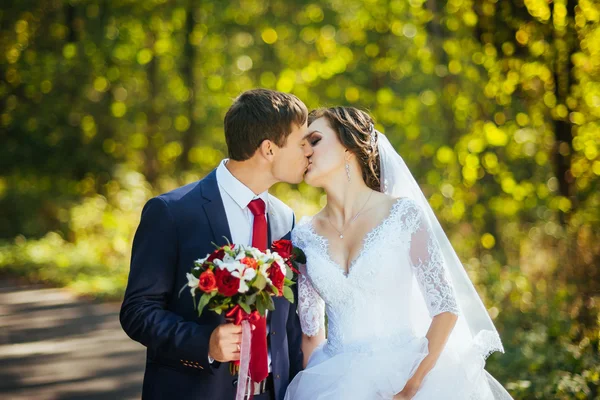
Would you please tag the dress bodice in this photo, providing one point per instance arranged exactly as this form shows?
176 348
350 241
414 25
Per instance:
372 301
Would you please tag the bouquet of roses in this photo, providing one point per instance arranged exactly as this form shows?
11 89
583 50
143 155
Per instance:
245 277
240 281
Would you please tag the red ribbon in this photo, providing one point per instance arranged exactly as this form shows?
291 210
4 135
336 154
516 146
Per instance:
291 265
258 347
237 315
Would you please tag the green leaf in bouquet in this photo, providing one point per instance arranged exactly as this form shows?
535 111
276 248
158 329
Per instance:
299 256
261 306
289 282
226 239
220 308
288 294
260 282
289 274
268 300
274 289
206 297
245 307
251 299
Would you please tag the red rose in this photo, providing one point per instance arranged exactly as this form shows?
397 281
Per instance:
250 262
227 284
216 255
277 277
208 281
283 247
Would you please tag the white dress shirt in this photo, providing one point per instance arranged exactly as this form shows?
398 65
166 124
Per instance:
236 196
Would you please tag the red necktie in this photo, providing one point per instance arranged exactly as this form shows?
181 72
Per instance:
259 367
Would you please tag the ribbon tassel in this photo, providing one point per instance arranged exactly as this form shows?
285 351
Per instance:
244 378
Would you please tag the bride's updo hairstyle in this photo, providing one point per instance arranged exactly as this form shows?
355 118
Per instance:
355 130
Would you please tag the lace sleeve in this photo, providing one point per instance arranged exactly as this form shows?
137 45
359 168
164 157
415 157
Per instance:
311 307
428 264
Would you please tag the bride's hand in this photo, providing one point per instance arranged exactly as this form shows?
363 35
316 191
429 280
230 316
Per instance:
407 393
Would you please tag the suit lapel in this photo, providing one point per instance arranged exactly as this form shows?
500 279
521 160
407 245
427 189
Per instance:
215 210
279 302
269 233
217 218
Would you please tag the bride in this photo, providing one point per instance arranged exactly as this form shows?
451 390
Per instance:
404 320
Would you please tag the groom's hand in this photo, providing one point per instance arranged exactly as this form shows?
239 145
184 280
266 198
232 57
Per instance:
225 342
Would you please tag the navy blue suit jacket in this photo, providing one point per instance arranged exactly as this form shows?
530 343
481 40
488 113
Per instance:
177 228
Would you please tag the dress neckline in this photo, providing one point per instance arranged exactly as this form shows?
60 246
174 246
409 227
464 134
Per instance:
365 242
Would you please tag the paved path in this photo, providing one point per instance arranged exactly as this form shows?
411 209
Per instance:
55 346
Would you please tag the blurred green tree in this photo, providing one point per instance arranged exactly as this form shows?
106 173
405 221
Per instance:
494 105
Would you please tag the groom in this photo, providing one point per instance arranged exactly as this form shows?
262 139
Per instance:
188 357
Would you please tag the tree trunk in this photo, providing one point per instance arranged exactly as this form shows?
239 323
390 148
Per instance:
151 166
436 37
565 42
189 61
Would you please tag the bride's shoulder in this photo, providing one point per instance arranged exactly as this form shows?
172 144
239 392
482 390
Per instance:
304 224
405 208
305 228
308 221
302 232
304 221
396 204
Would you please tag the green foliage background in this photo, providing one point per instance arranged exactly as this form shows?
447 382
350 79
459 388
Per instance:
495 106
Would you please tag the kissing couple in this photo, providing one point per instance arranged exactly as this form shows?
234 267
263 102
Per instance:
403 319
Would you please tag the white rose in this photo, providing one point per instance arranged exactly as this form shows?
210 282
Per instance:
243 286
265 257
201 260
249 274
256 253
228 259
279 262
244 277
192 280
263 270
234 266
192 283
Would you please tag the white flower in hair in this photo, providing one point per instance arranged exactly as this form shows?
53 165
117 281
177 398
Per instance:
373 133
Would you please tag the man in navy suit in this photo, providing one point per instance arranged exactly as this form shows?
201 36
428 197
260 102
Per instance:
188 357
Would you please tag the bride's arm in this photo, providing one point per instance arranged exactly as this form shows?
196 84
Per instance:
311 310
437 335
310 343
428 266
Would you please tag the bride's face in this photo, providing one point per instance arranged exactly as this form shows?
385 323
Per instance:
327 162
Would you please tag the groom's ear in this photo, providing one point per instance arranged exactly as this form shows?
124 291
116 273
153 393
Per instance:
267 149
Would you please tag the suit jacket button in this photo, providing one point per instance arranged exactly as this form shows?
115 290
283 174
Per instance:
272 333
235 381
277 376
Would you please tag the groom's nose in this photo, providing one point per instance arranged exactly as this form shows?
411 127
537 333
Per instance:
308 150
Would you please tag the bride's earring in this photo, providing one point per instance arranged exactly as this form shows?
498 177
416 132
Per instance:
348 170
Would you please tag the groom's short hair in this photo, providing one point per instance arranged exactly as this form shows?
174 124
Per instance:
258 115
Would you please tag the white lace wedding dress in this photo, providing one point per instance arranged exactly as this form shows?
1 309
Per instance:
372 349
